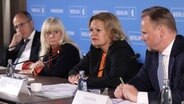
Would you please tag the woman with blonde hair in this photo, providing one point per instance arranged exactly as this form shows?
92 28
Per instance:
58 53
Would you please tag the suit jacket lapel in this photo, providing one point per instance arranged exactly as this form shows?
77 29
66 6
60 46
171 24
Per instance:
171 65
35 46
176 49
154 73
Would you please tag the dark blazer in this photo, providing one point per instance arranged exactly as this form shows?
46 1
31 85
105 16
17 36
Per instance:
34 49
120 62
62 63
147 80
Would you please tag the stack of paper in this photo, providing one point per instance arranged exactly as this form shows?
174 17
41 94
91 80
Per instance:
55 91
121 101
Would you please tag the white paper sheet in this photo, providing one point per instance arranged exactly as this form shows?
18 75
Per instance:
3 68
120 101
58 91
10 85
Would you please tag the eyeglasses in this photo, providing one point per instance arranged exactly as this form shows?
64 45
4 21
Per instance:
52 32
21 25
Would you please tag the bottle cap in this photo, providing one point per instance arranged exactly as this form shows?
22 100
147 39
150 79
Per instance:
81 72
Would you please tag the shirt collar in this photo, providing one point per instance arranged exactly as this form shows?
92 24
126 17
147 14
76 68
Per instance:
167 51
32 35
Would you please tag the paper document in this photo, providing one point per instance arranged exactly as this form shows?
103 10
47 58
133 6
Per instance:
120 101
55 91
20 76
10 85
3 68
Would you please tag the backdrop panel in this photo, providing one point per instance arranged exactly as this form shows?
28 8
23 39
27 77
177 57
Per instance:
75 15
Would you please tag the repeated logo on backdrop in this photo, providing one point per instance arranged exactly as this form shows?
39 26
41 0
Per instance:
126 12
77 11
38 10
75 15
178 14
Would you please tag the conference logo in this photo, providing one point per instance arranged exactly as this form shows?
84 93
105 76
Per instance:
178 14
99 11
38 10
57 10
78 11
135 38
84 34
71 33
126 12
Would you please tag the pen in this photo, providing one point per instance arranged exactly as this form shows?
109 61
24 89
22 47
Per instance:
121 80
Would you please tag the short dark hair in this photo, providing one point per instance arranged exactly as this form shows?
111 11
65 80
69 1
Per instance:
26 14
160 15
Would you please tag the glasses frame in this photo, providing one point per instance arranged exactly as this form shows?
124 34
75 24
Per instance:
21 25
48 33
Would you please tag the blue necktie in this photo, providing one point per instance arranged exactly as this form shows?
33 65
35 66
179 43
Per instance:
160 72
22 48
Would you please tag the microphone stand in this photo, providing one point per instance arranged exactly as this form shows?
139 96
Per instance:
55 56
27 60
10 69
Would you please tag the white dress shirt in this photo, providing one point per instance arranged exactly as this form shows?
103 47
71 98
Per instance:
142 97
26 53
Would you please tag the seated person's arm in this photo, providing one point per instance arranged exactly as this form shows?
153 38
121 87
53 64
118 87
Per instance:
34 68
15 40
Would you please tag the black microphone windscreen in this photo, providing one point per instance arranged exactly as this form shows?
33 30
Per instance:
137 55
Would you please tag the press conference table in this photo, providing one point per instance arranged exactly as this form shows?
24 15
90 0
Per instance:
23 98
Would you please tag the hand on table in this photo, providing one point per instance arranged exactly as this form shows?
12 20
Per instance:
37 64
126 91
73 79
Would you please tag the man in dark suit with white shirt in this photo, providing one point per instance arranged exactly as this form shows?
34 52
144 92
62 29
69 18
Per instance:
24 27
160 34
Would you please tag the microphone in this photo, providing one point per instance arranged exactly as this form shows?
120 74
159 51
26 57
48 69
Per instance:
28 60
54 57
137 55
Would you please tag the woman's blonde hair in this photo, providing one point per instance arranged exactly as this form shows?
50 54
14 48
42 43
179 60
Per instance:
53 24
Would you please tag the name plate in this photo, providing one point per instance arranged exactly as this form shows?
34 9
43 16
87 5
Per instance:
10 85
82 97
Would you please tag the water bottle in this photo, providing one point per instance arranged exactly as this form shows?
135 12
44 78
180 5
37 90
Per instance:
166 95
82 83
10 69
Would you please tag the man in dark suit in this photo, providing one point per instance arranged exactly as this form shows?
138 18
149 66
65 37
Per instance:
160 34
23 24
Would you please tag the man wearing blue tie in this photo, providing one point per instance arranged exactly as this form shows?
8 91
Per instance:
20 49
165 51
